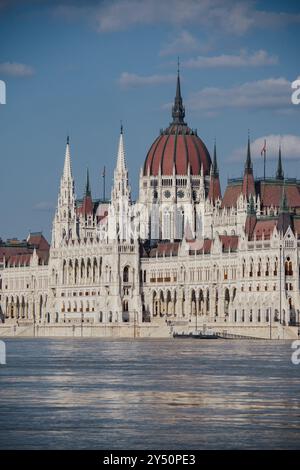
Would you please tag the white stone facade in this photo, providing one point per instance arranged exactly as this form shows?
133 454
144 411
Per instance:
157 261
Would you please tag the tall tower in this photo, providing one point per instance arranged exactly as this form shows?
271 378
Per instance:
120 228
248 180
64 224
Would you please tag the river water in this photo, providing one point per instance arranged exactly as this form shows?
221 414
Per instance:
149 394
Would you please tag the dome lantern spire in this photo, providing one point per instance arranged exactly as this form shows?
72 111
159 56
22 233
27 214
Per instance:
178 111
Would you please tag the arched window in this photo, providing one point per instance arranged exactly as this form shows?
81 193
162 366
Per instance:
275 266
259 268
286 268
226 301
126 274
288 265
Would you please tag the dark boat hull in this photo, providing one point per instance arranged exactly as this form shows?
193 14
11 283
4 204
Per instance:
195 336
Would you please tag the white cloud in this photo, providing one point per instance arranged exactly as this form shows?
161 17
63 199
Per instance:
128 80
44 206
228 15
274 93
256 59
184 42
16 69
122 14
214 16
290 145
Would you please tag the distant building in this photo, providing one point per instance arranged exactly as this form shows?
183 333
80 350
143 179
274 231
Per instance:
181 252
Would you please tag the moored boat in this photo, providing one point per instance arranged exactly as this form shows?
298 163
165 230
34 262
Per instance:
197 335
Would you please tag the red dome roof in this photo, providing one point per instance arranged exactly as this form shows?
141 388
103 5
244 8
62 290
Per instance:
181 146
178 145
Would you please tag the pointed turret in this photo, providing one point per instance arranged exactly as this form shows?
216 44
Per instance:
214 192
248 164
87 203
121 163
248 181
67 173
279 172
215 170
64 226
121 186
178 111
120 197
87 184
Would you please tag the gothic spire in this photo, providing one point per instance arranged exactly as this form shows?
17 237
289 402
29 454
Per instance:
67 174
279 172
248 164
248 180
215 170
121 163
178 111
87 184
214 191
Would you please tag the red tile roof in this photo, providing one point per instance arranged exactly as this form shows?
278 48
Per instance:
264 228
87 206
204 247
164 249
271 194
229 242
19 253
231 195
248 184
178 145
214 192
297 226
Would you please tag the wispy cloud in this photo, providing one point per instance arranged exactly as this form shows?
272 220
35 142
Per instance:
230 16
213 15
258 58
183 42
15 69
290 145
272 93
129 80
44 206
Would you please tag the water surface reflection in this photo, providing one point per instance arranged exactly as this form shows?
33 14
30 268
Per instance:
88 393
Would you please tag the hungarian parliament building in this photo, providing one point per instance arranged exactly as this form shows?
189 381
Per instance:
182 253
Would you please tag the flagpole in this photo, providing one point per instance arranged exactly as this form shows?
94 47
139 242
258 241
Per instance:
263 152
103 174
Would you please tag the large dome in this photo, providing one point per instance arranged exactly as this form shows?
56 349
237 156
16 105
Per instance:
177 145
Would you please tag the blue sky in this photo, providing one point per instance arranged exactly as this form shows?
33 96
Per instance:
79 68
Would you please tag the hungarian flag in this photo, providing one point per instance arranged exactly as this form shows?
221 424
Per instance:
263 150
